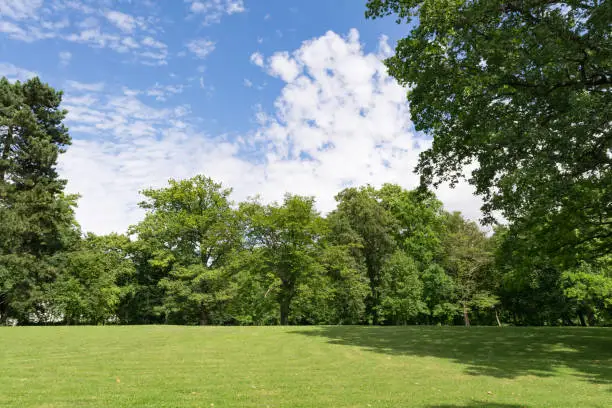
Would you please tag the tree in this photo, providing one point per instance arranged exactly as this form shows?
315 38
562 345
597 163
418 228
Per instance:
289 238
522 90
589 289
401 290
335 292
468 259
256 289
363 223
419 221
89 287
191 232
349 281
36 218
530 281
440 295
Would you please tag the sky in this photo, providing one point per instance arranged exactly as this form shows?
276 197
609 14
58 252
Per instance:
266 96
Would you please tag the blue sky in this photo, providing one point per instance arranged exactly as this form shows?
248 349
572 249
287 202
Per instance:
266 96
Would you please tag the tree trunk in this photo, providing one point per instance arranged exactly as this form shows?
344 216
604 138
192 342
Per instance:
284 310
581 317
497 318
203 316
466 319
3 309
590 319
6 149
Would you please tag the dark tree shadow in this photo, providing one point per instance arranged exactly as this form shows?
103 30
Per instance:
506 352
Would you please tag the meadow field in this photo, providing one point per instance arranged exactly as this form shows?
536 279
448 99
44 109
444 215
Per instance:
329 366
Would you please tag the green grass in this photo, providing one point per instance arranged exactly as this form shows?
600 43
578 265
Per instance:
167 366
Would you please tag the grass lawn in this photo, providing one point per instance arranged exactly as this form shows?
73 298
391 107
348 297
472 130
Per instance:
168 366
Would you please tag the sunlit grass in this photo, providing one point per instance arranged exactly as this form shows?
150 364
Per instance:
166 366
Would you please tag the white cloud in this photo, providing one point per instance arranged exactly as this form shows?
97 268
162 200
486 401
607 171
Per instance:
130 42
213 10
81 86
14 73
79 100
257 59
13 31
283 66
156 53
19 9
247 83
55 25
94 37
30 20
201 47
162 92
234 6
75 5
124 22
151 42
65 57
339 120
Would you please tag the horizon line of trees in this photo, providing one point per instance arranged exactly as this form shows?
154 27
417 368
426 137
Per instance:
384 256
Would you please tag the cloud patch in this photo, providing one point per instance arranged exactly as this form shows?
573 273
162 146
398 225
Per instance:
19 9
35 20
257 59
213 10
82 86
201 47
124 22
14 73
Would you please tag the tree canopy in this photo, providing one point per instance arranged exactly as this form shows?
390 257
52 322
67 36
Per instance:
521 91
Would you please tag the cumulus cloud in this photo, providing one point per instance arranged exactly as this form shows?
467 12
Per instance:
201 47
338 121
285 67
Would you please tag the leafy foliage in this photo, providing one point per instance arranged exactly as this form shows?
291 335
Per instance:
401 290
88 290
36 218
288 237
190 232
522 90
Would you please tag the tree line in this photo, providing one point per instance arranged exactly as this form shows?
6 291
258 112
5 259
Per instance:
384 256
